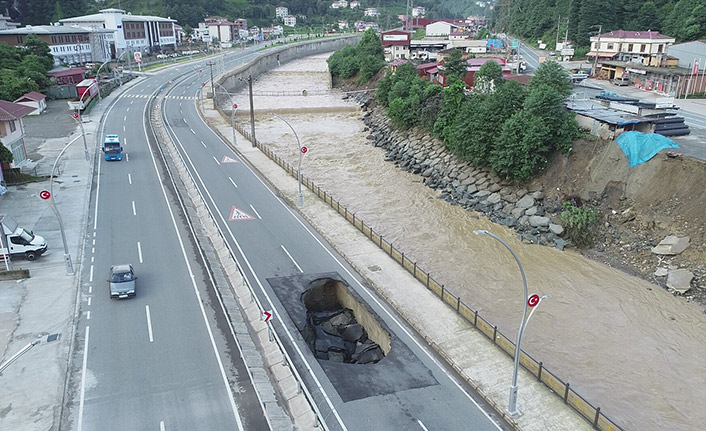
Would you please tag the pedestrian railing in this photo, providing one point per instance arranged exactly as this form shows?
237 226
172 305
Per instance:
562 389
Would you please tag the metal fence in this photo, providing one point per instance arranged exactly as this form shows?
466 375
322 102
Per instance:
562 389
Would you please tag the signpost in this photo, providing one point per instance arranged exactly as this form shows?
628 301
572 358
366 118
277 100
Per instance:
267 315
304 150
44 194
138 59
533 300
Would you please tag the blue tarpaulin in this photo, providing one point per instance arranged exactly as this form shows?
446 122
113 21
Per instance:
494 43
641 147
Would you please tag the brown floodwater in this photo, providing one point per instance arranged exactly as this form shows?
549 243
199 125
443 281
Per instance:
623 343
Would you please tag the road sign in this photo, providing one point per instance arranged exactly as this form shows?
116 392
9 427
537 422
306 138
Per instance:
235 106
75 115
203 84
267 315
239 215
515 43
44 194
533 300
227 159
304 150
138 56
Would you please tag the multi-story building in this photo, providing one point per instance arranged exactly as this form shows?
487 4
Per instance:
418 11
12 131
354 4
131 32
645 47
290 20
6 24
396 44
225 31
342 24
68 45
281 12
371 11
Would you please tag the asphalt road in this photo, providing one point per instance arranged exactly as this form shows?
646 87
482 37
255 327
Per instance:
161 360
409 389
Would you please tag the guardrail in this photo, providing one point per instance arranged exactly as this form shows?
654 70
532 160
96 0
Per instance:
562 389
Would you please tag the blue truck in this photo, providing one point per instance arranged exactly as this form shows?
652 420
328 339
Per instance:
112 148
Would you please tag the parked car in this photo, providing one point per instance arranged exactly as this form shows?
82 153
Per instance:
578 77
121 280
622 81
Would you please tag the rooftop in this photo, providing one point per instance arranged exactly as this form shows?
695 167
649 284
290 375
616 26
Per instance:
32 95
13 111
623 34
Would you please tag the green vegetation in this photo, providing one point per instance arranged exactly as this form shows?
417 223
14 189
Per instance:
364 59
580 223
538 19
503 125
5 154
24 68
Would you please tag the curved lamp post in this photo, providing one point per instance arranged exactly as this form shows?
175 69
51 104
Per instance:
299 169
232 113
512 405
77 117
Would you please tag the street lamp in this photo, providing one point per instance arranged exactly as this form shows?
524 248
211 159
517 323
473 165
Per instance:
299 169
232 113
533 300
77 117
598 49
52 204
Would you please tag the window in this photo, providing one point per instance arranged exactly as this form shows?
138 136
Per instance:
12 126
642 47
630 47
659 49
610 47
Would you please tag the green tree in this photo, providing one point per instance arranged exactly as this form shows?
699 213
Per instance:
455 65
454 96
547 103
9 56
58 12
488 77
34 69
33 45
551 74
647 17
12 86
188 31
5 154
432 101
521 148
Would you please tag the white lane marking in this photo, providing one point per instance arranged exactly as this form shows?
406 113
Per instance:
149 322
129 178
90 275
88 315
139 251
255 211
132 101
133 209
192 276
292 259
128 109
93 259
192 131
125 118
89 301
370 295
83 381
161 426
180 104
123 128
90 289
93 249
233 182
127 158
204 145
214 158
422 425
125 141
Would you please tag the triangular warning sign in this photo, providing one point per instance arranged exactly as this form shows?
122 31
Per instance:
227 159
237 215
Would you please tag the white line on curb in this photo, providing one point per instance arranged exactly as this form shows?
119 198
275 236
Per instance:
83 382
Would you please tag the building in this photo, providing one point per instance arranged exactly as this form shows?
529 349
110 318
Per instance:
225 31
12 130
396 44
418 11
671 81
342 24
201 33
6 24
34 100
130 32
354 4
281 12
441 29
469 45
290 20
370 11
68 76
68 44
645 47
690 55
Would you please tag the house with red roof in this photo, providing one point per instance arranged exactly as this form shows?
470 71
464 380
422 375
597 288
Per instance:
35 100
72 75
644 47
12 130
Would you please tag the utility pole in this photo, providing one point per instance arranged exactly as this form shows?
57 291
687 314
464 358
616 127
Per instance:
598 49
252 113
558 24
210 64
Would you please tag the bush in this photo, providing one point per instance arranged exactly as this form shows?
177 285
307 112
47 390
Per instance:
580 224
365 59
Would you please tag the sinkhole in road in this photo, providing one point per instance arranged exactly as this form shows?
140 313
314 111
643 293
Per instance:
340 328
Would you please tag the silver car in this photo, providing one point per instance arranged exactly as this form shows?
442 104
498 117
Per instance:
122 281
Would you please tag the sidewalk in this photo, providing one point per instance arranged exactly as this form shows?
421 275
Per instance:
484 366
46 303
694 106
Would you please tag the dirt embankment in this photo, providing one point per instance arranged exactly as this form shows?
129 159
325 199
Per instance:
638 207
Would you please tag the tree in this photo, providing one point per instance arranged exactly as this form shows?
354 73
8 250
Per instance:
488 77
551 74
6 155
32 68
9 56
647 17
12 86
521 149
188 31
547 104
33 45
455 65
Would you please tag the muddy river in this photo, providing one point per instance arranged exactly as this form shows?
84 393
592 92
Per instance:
624 344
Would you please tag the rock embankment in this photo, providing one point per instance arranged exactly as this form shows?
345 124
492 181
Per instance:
472 187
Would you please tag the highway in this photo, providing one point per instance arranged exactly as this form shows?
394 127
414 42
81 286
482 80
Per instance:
162 360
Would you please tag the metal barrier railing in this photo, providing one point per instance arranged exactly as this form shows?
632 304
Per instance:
563 389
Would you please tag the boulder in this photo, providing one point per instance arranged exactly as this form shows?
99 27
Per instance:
531 211
556 229
661 272
482 194
494 198
679 280
526 202
494 187
671 245
537 221
517 212
538 195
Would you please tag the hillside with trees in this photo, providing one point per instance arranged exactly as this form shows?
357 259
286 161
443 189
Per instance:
539 19
257 12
